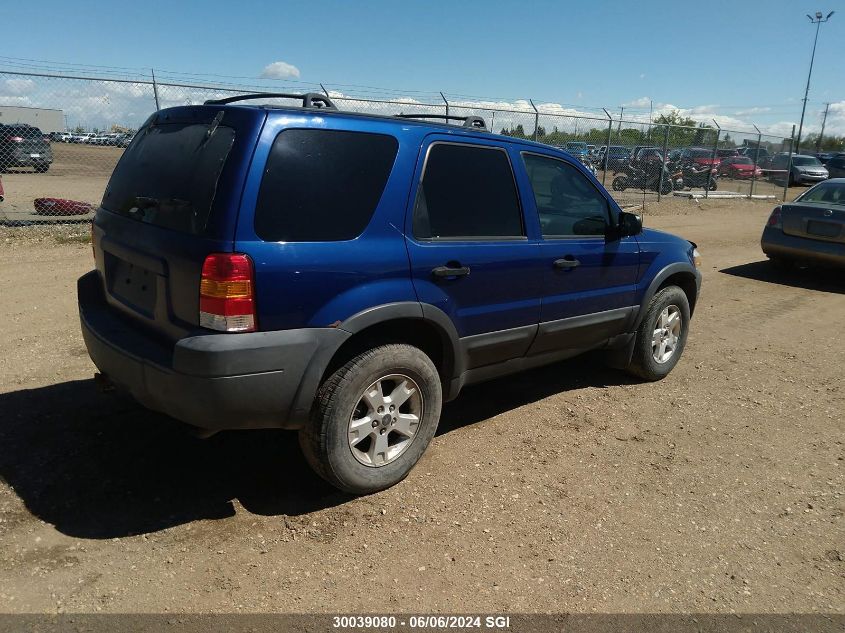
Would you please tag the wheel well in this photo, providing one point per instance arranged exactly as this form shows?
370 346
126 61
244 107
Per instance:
686 282
417 332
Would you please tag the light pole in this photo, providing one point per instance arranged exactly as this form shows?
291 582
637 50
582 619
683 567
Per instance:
818 22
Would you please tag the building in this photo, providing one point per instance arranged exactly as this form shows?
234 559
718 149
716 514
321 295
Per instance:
45 119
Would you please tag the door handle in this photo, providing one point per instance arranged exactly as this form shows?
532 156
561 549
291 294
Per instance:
567 263
450 271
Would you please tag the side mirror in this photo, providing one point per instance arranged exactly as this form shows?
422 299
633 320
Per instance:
629 224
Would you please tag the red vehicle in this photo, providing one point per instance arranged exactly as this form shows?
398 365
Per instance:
739 167
727 153
700 156
1 190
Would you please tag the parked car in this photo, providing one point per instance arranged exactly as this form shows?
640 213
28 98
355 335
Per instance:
727 153
759 155
615 158
739 167
577 149
262 268
84 137
123 140
801 170
811 229
65 137
836 166
100 139
700 156
24 145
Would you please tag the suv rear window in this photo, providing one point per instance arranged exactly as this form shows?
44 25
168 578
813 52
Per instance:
322 185
168 175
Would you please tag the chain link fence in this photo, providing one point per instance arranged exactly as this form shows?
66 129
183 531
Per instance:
61 136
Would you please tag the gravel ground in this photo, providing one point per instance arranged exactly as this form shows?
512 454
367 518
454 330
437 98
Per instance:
569 488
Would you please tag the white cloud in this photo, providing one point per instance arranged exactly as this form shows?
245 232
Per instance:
642 102
18 86
642 75
280 70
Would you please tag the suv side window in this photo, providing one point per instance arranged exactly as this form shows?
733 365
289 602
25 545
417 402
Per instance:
567 202
467 191
322 185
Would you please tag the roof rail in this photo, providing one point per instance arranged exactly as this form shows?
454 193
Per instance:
472 121
309 99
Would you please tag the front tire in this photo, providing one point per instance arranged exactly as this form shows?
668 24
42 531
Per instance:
662 335
373 418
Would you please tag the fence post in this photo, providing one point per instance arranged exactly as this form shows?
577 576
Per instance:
536 118
757 158
663 170
607 147
788 165
442 96
713 158
155 88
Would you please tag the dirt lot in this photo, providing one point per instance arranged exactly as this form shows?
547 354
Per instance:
570 488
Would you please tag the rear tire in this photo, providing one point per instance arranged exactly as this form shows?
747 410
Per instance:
620 183
41 169
661 336
354 439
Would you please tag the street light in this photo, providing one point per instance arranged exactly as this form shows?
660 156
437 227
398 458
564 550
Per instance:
818 22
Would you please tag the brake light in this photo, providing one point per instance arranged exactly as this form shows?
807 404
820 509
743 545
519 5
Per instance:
774 219
227 293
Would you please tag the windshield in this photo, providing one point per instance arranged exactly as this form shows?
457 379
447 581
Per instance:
576 146
168 175
700 153
806 161
825 193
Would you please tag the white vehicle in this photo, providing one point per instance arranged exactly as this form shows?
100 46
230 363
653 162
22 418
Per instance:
65 137
85 137
101 139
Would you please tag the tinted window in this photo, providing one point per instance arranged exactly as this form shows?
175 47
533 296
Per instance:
322 185
568 203
24 131
467 191
168 176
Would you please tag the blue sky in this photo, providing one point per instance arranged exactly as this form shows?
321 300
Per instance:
714 57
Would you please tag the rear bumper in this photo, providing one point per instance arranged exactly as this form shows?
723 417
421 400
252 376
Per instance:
23 158
213 381
776 243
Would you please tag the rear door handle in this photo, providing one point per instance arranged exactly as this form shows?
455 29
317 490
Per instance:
451 271
567 262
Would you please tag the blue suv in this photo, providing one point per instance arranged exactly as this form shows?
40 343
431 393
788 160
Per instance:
343 274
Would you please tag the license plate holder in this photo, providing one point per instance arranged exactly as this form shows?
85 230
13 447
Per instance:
35 155
823 229
132 284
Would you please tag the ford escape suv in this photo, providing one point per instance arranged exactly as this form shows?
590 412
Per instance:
340 274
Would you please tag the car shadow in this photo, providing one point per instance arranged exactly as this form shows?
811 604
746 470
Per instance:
810 278
100 466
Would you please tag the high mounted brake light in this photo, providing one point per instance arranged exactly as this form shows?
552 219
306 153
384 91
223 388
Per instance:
227 293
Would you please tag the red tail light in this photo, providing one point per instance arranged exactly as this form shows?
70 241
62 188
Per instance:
774 219
227 293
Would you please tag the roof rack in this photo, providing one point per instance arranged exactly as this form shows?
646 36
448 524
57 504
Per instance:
472 121
309 99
